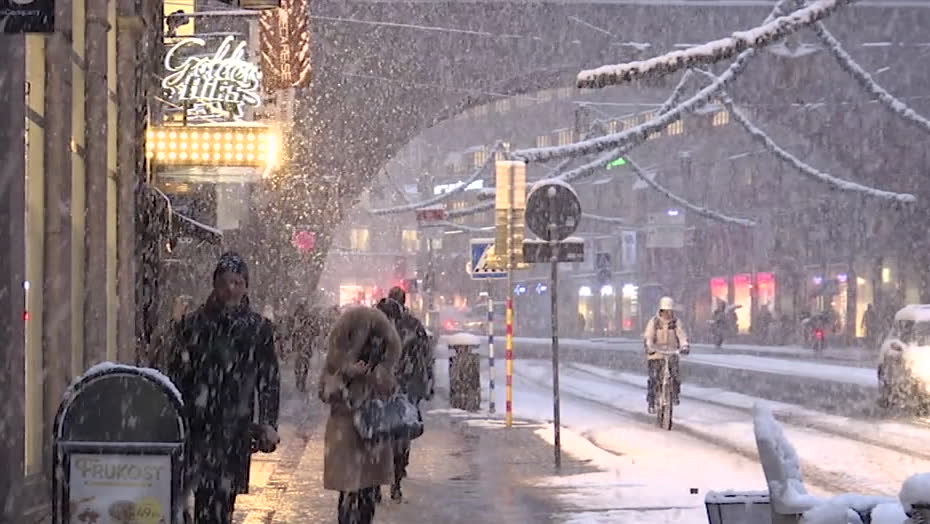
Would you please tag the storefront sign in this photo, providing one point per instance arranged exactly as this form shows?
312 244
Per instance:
120 489
224 78
27 16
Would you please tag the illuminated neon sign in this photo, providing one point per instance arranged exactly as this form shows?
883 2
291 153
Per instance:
224 78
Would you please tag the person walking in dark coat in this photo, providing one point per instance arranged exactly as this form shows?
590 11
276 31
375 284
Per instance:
224 359
414 372
305 330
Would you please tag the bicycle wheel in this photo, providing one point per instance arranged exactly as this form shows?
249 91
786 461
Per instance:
664 399
665 415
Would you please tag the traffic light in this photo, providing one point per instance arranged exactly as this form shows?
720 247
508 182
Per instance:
619 162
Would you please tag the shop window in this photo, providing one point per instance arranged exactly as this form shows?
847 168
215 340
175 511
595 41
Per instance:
613 126
766 291
719 289
359 239
676 128
502 106
566 136
410 240
721 118
479 158
742 297
543 141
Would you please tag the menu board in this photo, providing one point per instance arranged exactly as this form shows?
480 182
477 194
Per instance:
120 489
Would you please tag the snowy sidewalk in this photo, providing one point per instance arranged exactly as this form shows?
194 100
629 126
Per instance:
462 471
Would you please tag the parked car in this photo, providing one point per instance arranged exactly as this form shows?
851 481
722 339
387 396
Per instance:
904 362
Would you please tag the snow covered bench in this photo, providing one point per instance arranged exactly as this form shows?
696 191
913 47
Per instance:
788 496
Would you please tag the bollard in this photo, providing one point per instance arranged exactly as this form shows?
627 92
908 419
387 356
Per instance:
464 372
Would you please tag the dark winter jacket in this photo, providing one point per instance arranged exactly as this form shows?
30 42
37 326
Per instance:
306 329
225 359
415 369
360 334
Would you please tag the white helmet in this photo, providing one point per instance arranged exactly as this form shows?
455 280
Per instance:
666 304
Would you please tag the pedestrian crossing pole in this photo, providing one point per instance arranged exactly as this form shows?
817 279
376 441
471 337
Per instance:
491 372
509 208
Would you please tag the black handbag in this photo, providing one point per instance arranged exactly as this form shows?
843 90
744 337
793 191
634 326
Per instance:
394 418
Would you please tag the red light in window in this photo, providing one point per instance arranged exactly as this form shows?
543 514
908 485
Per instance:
26 315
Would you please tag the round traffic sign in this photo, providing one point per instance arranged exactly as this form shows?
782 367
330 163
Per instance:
553 203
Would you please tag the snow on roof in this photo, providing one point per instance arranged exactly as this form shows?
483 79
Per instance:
149 372
916 490
914 312
463 339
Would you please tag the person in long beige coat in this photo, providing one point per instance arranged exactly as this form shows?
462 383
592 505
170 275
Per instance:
363 348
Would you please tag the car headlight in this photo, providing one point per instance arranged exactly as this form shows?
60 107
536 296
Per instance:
918 362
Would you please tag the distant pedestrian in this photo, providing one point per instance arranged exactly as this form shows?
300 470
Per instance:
363 350
414 372
224 359
870 327
304 331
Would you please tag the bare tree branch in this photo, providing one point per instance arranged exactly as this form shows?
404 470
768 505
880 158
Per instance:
768 33
639 134
700 210
807 170
866 82
413 206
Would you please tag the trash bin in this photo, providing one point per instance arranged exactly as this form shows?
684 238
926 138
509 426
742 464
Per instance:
738 507
464 372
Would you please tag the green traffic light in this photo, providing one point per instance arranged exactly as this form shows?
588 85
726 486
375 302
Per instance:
617 163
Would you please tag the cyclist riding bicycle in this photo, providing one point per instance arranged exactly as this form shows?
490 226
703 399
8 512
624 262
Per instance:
665 337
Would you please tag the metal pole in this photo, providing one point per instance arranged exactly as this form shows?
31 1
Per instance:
510 313
491 370
554 304
430 304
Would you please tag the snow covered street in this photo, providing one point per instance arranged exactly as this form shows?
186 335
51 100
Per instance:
651 476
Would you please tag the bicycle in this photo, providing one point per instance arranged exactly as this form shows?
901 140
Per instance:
664 392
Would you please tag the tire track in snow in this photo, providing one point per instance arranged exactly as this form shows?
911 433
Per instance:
826 479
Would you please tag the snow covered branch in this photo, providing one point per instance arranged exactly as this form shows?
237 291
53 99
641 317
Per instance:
865 79
639 134
473 210
700 210
805 169
766 34
608 220
452 226
413 206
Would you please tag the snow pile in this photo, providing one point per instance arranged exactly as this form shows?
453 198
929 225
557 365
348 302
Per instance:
915 491
888 513
758 37
781 464
462 339
831 514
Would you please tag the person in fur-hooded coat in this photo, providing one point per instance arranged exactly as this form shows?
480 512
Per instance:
363 348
